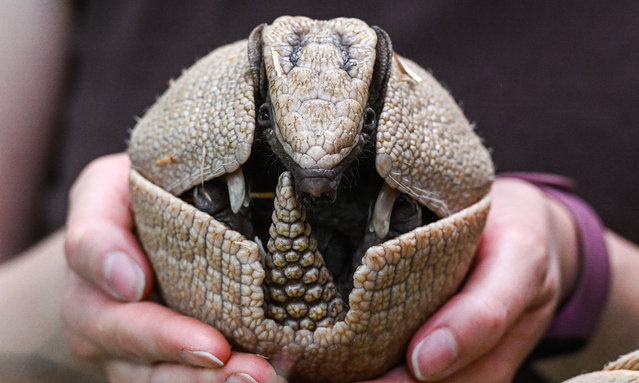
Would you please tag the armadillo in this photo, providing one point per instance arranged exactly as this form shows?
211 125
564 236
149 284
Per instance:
311 194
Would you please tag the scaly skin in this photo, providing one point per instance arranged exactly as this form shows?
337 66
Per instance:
318 75
623 370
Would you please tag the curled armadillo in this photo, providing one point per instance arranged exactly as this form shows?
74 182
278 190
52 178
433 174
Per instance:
311 194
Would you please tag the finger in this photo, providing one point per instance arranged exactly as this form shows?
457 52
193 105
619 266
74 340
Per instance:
102 188
468 326
99 243
241 368
500 364
142 331
513 272
109 257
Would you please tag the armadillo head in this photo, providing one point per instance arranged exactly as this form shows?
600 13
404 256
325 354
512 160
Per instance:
319 102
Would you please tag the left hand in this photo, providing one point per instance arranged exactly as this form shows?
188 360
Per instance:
526 263
108 319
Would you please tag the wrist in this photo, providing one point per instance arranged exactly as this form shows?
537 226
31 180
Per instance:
566 238
576 318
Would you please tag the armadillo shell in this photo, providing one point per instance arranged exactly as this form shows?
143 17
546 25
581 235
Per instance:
210 272
617 376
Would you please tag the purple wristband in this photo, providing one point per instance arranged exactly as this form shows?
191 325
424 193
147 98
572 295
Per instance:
578 316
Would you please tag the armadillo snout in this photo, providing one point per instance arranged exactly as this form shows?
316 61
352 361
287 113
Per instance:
311 202
316 192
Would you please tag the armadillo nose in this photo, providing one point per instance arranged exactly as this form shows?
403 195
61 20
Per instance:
315 186
316 192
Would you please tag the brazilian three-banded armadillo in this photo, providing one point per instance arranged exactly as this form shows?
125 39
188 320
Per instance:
311 194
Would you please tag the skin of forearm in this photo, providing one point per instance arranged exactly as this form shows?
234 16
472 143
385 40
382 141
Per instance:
31 291
563 229
33 346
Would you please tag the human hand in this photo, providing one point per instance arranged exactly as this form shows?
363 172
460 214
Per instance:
526 263
106 316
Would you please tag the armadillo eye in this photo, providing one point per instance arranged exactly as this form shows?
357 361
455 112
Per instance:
265 115
370 120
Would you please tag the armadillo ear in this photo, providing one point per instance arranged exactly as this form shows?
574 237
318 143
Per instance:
256 64
425 146
202 126
381 70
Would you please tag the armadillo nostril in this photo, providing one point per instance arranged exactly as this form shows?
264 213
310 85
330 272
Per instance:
316 192
315 186
312 202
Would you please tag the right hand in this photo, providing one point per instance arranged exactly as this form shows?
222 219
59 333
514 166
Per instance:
107 314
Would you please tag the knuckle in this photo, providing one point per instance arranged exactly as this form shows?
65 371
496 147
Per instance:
526 240
81 348
492 315
545 280
77 237
549 289
125 343
80 247
73 242
73 331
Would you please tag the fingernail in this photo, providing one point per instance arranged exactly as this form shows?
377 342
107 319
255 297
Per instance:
201 358
434 354
124 277
240 377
